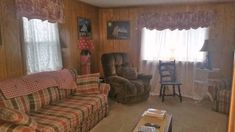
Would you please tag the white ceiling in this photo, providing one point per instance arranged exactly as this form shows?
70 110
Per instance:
122 3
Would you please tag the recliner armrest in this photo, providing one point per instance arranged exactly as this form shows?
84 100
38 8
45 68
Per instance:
120 85
118 79
144 76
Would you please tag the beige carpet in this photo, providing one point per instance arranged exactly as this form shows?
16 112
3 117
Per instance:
188 116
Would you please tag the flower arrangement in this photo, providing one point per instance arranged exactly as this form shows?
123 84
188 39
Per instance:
85 43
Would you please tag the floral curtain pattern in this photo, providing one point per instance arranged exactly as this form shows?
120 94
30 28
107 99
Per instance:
179 20
51 10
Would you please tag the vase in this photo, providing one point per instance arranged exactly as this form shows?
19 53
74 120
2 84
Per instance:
85 61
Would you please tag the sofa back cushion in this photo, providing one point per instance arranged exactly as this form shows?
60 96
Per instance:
88 83
64 93
38 99
44 97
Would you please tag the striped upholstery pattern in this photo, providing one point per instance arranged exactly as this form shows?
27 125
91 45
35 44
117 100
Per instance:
65 116
59 110
215 85
42 98
19 103
34 101
16 117
64 93
88 83
104 88
223 101
220 92
7 127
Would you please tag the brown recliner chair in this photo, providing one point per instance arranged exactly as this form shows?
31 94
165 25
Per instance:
126 85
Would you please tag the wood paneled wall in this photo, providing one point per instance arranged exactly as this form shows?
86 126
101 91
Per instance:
11 62
11 55
222 32
69 33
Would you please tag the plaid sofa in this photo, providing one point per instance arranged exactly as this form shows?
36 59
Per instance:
58 110
220 91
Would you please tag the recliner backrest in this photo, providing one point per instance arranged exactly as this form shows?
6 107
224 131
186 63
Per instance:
112 61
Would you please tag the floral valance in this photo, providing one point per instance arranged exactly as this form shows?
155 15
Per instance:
51 10
178 20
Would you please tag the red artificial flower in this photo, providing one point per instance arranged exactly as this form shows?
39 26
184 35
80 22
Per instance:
85 43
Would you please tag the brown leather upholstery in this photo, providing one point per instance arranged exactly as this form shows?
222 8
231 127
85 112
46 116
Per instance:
111 62
122 89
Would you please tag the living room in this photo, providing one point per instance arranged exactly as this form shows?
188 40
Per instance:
196 112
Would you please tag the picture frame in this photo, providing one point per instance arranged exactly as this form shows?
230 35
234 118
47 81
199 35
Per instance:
119 30
84 27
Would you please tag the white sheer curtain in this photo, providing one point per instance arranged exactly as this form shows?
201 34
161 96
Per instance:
180 45
42 46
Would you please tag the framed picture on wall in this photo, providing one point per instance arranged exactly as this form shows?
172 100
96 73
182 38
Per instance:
84 27
118 30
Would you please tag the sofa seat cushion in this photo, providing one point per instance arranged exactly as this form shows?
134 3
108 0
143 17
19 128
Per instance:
95 101
68 114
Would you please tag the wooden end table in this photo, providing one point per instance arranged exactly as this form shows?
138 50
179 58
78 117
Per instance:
165 124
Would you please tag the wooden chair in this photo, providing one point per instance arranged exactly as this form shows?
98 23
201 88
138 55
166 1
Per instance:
167 70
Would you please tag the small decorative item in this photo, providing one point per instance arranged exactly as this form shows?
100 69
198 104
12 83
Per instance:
86 45
84 27
207 61
118 30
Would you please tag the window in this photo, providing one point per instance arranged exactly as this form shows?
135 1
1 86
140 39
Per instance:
181 45
42 47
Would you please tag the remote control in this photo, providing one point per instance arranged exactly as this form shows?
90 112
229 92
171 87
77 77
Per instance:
152 125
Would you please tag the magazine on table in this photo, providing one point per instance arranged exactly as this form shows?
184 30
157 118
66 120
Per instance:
155 113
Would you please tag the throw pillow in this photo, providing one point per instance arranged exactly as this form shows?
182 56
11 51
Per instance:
16 117
88 83
127 72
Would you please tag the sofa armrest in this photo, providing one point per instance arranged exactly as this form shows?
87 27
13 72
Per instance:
215 85
5 127
104 88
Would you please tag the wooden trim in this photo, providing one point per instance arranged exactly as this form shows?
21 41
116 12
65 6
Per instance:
167 4
1 8
232 104
0 34
22 46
